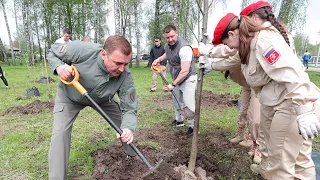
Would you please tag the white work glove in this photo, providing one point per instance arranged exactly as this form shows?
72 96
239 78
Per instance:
309 125
204 49
206 64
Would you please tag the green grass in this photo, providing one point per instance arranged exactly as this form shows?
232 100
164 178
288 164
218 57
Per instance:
25 139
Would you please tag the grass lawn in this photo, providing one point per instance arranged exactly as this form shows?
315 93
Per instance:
25 139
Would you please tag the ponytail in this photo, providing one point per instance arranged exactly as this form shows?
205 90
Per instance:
272 19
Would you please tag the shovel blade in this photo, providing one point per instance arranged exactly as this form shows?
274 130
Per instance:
186 112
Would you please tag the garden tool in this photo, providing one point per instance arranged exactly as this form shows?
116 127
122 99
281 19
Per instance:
75 83
185 112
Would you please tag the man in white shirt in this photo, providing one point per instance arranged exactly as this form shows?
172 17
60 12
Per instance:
65 38
179 54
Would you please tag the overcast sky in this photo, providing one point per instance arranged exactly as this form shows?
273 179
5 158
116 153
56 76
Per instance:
311 29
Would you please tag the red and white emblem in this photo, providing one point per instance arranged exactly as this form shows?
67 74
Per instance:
271 55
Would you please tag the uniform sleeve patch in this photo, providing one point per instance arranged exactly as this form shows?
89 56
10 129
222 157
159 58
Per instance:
63 48
271 55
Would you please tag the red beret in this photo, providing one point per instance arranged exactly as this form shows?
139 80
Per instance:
221 26
254 6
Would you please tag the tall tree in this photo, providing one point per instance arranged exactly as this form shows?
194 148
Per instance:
3 51
293 13
8 30
36 13
17 29
137 29
176 10
25 18
117 17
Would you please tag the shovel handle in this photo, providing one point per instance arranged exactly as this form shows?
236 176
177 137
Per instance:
75 82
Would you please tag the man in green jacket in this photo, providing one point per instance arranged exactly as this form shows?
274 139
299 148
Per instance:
103 73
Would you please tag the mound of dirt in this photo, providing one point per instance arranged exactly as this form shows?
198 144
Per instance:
216 155
35 107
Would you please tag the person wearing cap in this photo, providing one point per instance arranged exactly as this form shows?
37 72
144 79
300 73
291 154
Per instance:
180 57
249 115
290 109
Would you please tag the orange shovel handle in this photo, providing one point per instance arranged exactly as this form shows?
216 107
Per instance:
156 67
75 82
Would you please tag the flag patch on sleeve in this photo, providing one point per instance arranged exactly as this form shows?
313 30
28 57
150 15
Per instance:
271 55
62 48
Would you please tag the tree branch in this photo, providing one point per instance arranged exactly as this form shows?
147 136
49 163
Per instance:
199 6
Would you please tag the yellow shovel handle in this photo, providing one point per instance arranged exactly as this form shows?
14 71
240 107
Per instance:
75 82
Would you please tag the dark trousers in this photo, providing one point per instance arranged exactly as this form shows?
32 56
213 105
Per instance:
3 78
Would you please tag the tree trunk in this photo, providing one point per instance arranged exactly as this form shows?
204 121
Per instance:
25 10
37 32
4 52
17 30
194 146
157 30
286 6
176 10
136 24
9 34
86 21
117 17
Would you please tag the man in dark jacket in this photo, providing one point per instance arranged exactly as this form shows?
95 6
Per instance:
157 51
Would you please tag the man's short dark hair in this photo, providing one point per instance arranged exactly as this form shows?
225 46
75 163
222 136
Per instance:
66 31
157 37
169 28
117 42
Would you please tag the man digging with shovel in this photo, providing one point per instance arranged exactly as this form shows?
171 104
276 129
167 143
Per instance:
179 54
103 73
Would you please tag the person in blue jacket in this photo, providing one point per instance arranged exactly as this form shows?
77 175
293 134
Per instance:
306 57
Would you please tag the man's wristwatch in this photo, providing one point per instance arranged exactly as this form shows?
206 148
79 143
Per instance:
173 85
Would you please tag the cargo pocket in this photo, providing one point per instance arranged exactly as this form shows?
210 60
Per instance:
57 123
252 73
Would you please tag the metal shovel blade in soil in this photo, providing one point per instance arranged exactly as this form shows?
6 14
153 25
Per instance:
186 112
75 83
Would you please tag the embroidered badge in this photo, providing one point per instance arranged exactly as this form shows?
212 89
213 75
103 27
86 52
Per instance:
62 48
271 55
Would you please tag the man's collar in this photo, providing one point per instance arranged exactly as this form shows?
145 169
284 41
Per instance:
102 66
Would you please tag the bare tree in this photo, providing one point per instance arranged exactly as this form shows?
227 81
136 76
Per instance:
8 30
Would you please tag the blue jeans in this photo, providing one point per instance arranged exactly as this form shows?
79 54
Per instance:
305 63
